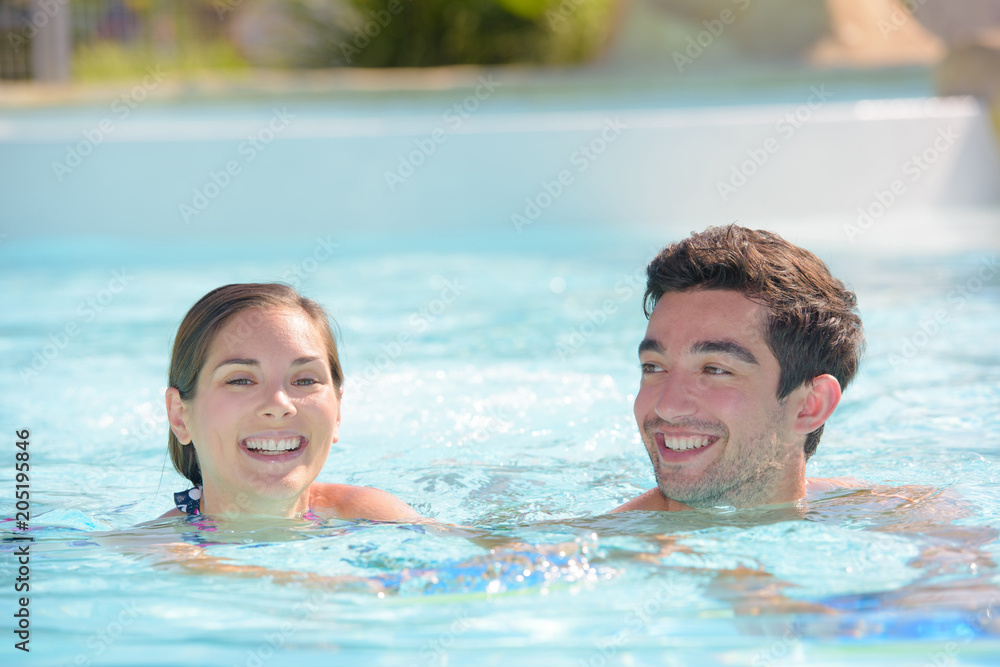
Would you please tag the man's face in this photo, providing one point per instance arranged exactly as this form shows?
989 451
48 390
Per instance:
707 405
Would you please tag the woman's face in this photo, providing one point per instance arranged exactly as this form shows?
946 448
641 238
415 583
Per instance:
264 413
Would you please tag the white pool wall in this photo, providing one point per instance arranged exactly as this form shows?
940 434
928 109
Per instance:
820 159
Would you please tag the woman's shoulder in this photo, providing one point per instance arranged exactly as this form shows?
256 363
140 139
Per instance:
359 502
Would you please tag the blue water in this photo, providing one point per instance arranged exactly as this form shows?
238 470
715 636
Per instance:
489 384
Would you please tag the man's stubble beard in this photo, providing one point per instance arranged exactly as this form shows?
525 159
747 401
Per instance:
735 479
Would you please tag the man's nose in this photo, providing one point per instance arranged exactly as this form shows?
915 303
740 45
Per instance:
676 398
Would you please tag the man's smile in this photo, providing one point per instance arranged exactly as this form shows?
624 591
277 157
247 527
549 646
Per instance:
679 446
682 443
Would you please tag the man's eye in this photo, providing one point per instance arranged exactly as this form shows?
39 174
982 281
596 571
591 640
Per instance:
650 368
715 370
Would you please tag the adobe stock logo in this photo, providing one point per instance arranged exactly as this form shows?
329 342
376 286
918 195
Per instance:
87 311
419 322
121 108
698 44
47 9
249 150
915 167
784 129
426 146
581 158
956 299
364 34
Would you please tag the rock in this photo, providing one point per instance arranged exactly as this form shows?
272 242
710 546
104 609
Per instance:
876 32
960 22
971 29
726 30
970 70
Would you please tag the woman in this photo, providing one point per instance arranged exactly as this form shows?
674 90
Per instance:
254 406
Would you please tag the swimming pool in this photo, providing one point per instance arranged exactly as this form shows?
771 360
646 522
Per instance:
490 380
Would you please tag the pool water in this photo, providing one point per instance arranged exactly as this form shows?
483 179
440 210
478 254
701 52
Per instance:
490 379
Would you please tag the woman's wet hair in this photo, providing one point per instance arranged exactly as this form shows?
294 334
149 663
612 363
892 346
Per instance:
200 327
813 327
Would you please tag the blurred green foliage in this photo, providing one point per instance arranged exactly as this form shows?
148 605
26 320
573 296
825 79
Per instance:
124 40
422 33
111 60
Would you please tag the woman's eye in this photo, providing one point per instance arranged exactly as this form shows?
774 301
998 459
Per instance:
239 381
305 382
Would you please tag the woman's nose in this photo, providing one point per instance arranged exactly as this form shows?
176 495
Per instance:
277 404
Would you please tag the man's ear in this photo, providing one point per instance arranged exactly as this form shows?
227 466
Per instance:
821 399
177 416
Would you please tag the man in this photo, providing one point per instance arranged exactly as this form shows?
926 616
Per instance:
749 344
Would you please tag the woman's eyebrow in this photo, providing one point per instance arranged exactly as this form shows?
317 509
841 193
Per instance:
301 361
236 362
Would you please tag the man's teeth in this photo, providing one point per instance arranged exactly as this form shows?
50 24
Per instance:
683 444
268 446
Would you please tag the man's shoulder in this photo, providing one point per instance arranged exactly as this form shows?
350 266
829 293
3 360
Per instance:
651 501
824 484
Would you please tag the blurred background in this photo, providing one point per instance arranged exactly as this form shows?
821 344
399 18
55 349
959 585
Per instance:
94 40
98 40
408 114
473 188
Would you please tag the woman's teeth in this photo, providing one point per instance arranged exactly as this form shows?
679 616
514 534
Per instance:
270 446
684 444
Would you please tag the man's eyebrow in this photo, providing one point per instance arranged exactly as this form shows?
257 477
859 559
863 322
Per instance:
728 347
650 345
